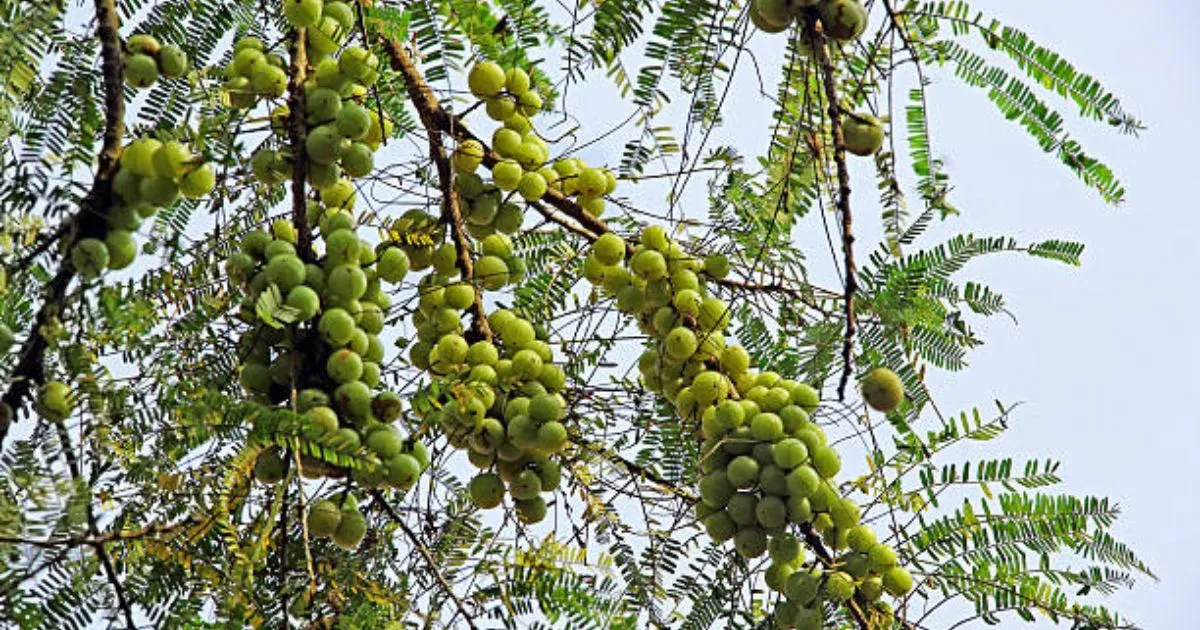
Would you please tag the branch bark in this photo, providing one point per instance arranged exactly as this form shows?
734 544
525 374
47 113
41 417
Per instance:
89 221
434 119
298 137
829 81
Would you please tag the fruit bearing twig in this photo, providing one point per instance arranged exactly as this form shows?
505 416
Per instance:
843 202
431 114
585 225
89 221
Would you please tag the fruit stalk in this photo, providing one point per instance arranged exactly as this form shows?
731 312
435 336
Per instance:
89 221
829 78
431 114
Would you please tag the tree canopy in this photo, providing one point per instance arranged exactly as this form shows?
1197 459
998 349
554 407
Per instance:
445 313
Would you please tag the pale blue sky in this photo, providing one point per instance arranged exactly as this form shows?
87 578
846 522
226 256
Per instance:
1104 356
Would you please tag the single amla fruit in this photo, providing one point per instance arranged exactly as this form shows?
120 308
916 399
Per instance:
351 529
90 257
843 19
882 389
323 518
55 401
862 134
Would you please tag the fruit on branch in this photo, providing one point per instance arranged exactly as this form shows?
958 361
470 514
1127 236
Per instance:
302 13
842 19
486 79
141 71
270 467
55 401
863 134
882 389
172 62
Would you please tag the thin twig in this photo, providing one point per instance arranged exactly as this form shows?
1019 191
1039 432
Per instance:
427 555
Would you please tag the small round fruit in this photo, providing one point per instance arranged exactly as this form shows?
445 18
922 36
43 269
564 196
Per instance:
344 366
750 542
826 461
90 257
882 389
172 61
350 530
742 472
839 586
486 79
843 19
198 182
487 490
122 249
336 327
491 272
55 401
531 510
302 13
467 156
323 518
897 581
141 71
269 467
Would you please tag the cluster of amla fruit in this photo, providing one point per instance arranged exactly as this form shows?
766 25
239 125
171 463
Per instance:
840 19
523 168
327 22
341 291
146 59
765 464
343 133
338 519
151 175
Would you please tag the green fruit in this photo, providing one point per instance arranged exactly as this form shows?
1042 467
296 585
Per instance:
486 79
680 343
720 526
122 249
487 490
789 453
143 44
269 80
286 271
839 586
770 512
170 159
467 156
158 190
90 257
323 518
826 461
336 327
491 272
750 542
881 557
715 489
802 587
872 588
766 426
897 581
860 538
344 366
777 575
55 401
392 265
345 282
340 195
506 175
786 549
302 13
198 182
350 529
609 249
803 481
882 389
354 399
843 19
269 467
742 472
141 71
532 186
531 510
341 13
862 133
742 507
7 340
172 61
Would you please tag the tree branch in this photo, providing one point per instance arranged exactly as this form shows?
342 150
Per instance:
432 117
297 137
89 221
843 201
429 559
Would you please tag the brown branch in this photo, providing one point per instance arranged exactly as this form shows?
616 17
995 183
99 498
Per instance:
433 118
429 559
843 201
89 221
298 136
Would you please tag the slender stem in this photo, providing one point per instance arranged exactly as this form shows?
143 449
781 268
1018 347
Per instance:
428 556
298 136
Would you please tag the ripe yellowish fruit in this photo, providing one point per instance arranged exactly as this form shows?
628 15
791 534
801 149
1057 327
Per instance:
882 389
